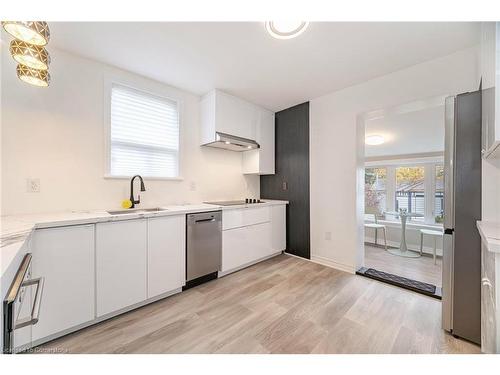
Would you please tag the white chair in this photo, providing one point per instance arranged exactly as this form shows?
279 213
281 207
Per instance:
433 233
377 226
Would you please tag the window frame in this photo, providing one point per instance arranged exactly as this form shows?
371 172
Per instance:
150 89
429 164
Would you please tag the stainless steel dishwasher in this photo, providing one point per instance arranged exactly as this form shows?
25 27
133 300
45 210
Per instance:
203 247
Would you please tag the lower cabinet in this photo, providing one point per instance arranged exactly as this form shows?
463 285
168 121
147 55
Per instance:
244 245
166 254
121 264
65 258
278 227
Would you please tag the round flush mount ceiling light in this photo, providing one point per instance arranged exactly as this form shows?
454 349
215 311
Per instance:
32 56
286 29
34 77
32 32
374 140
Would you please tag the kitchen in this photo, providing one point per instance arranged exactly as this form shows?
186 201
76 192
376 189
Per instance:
129 192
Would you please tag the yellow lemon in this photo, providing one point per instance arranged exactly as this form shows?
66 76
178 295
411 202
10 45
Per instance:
126 203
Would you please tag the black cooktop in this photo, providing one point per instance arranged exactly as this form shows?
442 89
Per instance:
236 203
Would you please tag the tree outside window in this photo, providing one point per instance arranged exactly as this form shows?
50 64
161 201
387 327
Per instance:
375 190
410 190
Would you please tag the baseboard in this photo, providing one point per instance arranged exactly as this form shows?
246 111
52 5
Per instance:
331 263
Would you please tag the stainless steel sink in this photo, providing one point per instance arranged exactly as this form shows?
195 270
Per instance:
137 211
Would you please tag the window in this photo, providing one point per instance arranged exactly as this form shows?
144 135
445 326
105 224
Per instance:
439 194
375 191
144 134
410 190
417 186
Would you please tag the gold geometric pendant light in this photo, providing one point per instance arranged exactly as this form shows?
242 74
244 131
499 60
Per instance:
34 77
32 32
27 49
32 56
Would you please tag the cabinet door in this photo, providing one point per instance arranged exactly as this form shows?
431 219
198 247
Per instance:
65 258
265 138
166 254
235 116
235 248
278 227
120 264
260 241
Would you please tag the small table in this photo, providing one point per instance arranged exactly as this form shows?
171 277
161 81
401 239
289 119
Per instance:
403 249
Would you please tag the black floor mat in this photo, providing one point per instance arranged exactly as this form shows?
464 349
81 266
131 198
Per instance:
417 286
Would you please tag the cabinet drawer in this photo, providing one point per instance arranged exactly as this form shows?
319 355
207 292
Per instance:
245 216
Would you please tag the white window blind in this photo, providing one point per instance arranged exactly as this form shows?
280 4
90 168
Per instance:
144 134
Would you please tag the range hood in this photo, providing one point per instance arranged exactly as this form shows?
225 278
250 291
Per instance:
233 143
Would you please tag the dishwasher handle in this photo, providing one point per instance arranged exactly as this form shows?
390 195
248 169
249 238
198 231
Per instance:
205 220
204 217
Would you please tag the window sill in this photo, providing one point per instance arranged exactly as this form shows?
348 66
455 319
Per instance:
111 177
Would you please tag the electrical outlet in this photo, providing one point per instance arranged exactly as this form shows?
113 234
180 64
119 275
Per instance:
192 186
33 185
328 236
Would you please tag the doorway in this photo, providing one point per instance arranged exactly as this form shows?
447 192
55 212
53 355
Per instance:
404 195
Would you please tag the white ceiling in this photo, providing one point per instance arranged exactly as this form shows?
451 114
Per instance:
242 59
414 132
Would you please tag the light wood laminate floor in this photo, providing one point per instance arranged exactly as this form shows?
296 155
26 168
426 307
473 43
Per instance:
282 305
421 269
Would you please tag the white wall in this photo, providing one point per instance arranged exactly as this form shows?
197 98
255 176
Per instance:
57 134
336 138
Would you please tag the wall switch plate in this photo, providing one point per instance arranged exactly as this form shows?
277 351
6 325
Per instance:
328 236
33 185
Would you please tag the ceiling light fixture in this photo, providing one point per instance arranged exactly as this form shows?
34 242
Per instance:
32 32
32 56
374 140
34 77
286 29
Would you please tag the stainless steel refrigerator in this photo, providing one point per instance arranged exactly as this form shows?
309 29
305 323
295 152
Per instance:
461 308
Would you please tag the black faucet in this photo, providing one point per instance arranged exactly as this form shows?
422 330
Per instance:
134 202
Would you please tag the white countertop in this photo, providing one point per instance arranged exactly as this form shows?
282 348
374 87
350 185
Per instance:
490 235
15 229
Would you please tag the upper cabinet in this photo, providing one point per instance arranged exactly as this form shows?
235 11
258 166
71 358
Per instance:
227 114
232 123
261 160
490 76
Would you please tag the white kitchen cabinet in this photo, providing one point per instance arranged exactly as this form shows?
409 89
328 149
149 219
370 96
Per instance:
242 217
278 227
251 234
224 113
64 257
244 245
261 161
166 254
121 264
490 76
236 248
